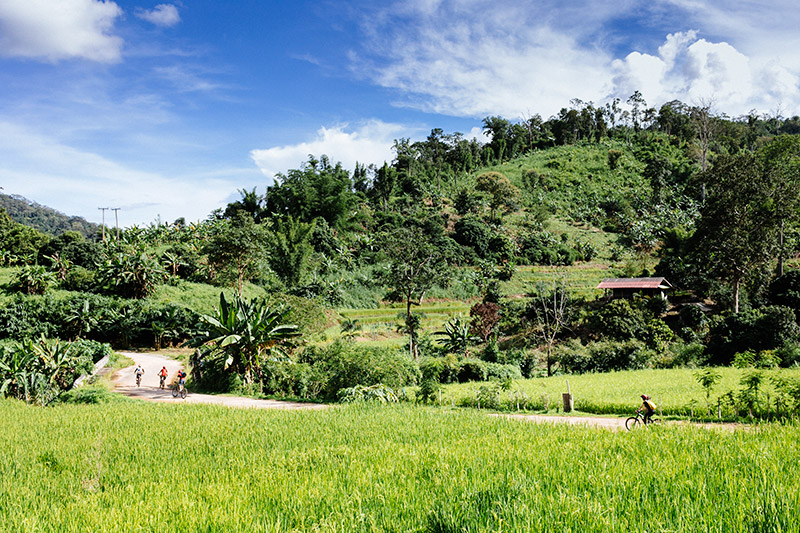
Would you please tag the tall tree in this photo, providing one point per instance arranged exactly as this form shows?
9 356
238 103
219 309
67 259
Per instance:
738 227
415 266
236 251
781 158
290 250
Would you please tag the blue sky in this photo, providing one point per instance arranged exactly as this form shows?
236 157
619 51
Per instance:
165 109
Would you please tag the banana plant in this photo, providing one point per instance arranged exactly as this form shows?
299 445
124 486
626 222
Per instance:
246 332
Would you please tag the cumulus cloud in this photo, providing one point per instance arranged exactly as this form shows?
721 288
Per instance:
370 143
478 57
164 15
77 182
695 70
66 29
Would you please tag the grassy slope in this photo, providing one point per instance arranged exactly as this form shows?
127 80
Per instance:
129 467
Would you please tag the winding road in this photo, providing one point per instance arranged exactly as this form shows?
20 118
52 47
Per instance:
124 381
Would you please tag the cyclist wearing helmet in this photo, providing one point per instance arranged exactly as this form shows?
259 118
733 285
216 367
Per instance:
648 407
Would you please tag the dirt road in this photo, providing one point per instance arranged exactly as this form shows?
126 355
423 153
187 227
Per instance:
125 382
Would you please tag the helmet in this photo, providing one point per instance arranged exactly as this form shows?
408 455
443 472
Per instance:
645 397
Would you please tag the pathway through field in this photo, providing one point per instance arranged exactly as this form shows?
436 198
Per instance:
125 382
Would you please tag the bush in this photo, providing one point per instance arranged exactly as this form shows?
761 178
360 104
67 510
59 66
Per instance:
619 320
378 393
92 350
502 372
785 290
440 369
80 279
347 365
605 356
472 370
768 328
472 233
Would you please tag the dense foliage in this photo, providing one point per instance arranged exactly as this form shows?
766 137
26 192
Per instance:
709 201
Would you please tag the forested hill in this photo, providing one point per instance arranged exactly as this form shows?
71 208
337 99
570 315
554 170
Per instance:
43 218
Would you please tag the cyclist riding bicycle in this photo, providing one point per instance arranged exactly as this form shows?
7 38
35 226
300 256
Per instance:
163 375
181 379
648 407
138 372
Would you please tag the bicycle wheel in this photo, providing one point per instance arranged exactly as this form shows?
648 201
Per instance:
175 391
632 423
183 393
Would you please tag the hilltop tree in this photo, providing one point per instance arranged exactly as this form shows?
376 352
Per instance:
317 189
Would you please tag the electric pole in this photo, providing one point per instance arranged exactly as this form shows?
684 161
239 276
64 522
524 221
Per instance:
116 218
103 209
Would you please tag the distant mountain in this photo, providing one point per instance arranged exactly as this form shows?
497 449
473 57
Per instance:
43 218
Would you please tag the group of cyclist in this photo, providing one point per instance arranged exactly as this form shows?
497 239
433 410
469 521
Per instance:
162 375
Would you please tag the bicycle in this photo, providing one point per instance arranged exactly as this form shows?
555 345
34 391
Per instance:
634 422
178 390
162 380
138 380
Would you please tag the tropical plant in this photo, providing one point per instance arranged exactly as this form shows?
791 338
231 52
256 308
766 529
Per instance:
246 333
33 279
131 272
456 336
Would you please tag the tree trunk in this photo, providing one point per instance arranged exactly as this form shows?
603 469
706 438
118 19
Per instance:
780 250
736 296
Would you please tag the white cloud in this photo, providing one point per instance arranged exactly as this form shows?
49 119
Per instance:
78 182
56 30
371 143
496 61
164 15
479 57
695 70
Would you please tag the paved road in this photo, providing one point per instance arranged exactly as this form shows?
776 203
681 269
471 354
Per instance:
125 382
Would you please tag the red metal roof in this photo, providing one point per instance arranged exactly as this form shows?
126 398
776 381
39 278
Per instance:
634 283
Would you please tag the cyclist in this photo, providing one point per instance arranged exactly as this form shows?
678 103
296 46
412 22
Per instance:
138 372
648 407
181 379
163 376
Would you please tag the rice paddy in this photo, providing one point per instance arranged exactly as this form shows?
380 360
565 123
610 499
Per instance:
144 467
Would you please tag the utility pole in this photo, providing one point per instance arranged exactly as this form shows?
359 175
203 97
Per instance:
103 209
116 218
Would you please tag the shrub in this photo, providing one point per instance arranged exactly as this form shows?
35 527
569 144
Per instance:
785 290
605 356
767 328
502 372
691 316
92 350
80 279
618 320
378 393
472 370
346 365
472 233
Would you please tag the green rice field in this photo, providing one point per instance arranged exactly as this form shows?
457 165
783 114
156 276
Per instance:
150 467
675 391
